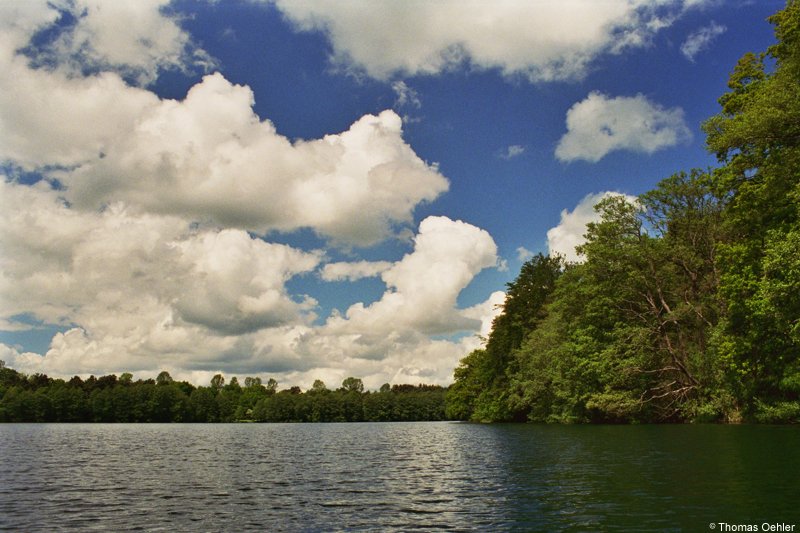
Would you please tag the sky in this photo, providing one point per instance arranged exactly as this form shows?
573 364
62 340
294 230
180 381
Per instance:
320 189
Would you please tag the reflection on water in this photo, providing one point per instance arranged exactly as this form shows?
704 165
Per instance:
429 476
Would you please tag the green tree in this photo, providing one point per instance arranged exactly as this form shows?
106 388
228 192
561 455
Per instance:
69 404
217 381
481 381
379 406
227 401
168 403
470 379
203 405
352 384
252 382
234 385
757 138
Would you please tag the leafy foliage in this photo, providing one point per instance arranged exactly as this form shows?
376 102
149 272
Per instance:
687 306
38 398
481 380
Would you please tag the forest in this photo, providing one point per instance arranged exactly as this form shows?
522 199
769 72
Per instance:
39 398
686 306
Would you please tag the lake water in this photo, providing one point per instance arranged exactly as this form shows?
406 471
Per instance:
396 476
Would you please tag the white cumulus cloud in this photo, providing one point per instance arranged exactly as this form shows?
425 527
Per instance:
44 114
208 157
569 233
353 271
152 252
237 282
136 39
138 291
424 285
542 41
600 124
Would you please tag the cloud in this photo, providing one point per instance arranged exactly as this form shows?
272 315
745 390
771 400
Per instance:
487 311
523 254
150 251
403 359
515 150
599 125
17 360
43 114
143 292
424 285
135 39
20 20
542 41
209 157
701 39
237 282
353 271
391 340
399 355
406 96
135 287
569 233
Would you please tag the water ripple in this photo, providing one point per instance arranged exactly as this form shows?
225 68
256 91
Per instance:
429 476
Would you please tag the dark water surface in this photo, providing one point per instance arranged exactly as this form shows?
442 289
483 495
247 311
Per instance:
396 476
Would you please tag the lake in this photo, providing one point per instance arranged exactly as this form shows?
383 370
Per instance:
397 476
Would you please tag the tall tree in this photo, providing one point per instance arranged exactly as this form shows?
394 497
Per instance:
757 138
480 390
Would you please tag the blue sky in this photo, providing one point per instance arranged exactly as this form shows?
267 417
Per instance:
324 189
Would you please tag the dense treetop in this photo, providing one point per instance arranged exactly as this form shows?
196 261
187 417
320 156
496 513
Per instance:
39 398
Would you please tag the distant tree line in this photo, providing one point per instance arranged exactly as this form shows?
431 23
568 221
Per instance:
39 398
687 304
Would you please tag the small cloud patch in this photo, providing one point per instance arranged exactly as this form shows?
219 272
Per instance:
515 150
700 40
600 125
